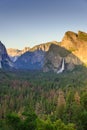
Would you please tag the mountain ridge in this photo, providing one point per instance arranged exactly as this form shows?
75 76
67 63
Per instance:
71 48
43 46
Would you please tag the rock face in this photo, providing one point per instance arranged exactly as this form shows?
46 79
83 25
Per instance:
53 56
5 61
33 58
44 46
76 44
73 49
30 60
14 52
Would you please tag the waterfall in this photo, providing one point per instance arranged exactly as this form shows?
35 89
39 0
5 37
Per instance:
62 67
0 65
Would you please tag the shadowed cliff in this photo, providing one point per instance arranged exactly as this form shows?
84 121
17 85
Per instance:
54 57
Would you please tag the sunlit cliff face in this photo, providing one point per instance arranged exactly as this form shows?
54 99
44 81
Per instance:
73 48
77 44
49 56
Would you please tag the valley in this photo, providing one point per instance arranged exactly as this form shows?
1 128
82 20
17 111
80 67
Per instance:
45 88
46 98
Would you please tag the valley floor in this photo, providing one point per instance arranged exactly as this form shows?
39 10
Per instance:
33 100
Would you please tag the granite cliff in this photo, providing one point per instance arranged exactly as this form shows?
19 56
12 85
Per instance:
71 51
5 61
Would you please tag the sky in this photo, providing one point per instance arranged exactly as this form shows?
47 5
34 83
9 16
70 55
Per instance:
31 22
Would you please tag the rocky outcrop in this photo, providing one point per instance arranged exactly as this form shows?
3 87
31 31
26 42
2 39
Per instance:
44 46
73 49
5 61
54 57
70 41
76 44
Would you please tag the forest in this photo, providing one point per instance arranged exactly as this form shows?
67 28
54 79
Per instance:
33 100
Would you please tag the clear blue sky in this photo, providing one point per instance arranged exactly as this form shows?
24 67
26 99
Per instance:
30 22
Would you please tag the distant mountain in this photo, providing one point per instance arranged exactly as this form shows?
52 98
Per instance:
30 60
44 47
34 58
5 61
52 56
14 54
